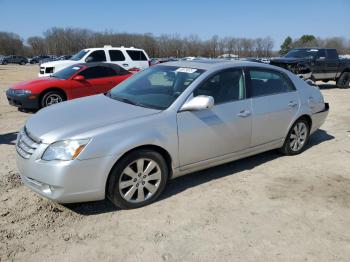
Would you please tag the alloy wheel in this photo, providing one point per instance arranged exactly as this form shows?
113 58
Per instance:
53 99
140 180
298 136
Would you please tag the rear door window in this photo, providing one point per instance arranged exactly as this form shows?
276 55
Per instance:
136 55
268 82
116 55
332 54
321 54
98 72
97 56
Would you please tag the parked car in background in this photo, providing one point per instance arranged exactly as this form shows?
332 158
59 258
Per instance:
55 58
188 58
154 61
316 64
250 59
164 122
37 59
126 57
167 59
14 59
64 57
256 59
72 82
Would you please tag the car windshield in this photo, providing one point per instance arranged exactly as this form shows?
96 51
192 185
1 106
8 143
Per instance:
301 53
156 87
67 72
79 55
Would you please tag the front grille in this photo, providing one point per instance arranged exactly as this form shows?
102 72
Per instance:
49 70
26 144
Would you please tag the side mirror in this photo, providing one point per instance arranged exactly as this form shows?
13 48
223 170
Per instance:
79 78
198 103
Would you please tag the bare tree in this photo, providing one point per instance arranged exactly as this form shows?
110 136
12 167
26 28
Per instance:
59 41
10 44
38 45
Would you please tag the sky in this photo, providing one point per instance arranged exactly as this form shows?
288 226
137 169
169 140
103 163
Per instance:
238 18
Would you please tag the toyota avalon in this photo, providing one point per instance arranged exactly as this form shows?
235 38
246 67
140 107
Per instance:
166 121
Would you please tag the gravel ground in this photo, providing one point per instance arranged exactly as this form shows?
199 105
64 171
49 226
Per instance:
264 208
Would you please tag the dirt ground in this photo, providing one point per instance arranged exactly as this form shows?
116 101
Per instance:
264 208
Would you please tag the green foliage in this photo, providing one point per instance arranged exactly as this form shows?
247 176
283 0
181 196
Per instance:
303 41
286 46
306 38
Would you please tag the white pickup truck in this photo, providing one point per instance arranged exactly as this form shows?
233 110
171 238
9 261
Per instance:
127 57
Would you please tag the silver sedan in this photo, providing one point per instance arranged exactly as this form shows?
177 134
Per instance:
169 120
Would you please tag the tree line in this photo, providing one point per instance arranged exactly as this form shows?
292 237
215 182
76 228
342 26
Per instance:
66 41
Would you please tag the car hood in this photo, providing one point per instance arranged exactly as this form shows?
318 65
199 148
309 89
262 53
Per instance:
287 60
71 118
36 82
59 63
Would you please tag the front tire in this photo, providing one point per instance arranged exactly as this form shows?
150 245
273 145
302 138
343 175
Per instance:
344 80
50 98
137 179
297 138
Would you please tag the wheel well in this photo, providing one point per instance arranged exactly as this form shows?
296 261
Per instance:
155 148
346 70
308 120
53 89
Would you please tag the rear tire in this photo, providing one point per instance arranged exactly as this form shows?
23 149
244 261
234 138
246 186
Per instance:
297 138
137 179
344 80
51 97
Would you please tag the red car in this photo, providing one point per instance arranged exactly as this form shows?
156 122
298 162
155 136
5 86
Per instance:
72 82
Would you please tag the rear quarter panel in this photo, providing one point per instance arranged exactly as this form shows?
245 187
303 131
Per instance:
312 102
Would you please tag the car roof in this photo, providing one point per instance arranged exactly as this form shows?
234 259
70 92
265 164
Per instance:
113 48
212 64
308 48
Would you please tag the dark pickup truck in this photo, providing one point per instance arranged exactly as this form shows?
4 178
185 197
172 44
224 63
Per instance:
316 64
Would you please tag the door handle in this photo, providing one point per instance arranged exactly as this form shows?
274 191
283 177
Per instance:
292 104
243 113
125 64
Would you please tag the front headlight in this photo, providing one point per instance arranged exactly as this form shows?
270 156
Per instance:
64 150
22 91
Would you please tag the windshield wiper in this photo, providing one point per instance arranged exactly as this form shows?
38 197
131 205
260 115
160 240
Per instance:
125 100
128 101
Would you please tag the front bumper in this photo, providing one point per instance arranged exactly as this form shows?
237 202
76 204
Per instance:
65 181
27 101
44 75
319 118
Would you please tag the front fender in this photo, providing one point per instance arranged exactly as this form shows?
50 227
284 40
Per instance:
303 70
115 140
